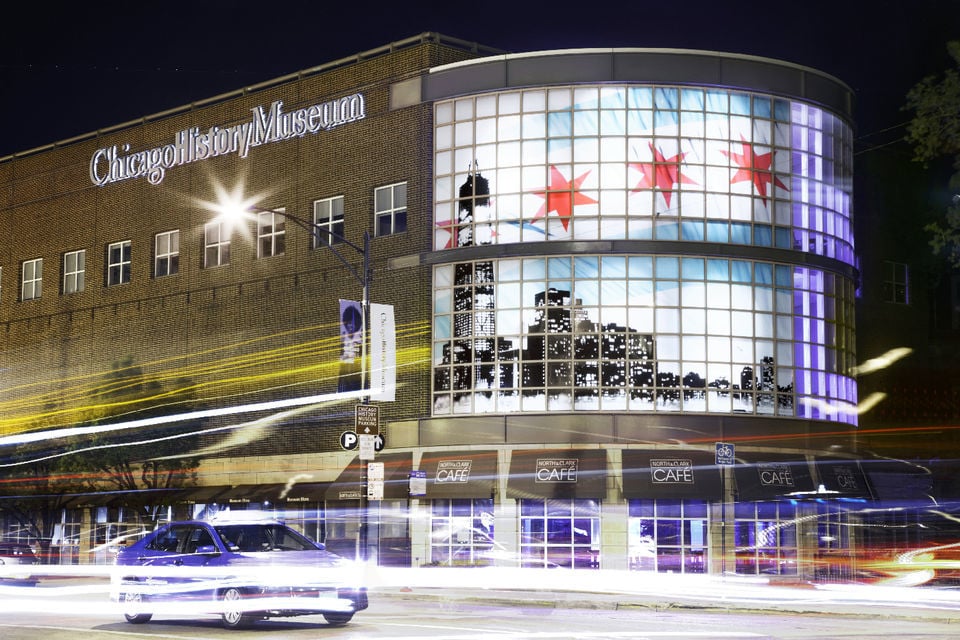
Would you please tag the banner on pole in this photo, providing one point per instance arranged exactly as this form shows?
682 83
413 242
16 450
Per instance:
383 353
350 377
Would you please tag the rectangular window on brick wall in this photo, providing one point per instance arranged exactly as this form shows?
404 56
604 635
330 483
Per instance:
896 283
328 221
31 279
118 263
216 244
74 268
166 260
390 209
271 234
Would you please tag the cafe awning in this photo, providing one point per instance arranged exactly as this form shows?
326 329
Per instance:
670 474
558 473
842 478
396 471
769 476
459 474
894 480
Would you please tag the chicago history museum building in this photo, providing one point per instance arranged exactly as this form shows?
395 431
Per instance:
622 282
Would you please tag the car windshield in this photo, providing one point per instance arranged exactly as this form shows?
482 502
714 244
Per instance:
263 537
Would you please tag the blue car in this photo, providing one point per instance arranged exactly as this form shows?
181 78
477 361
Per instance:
245 571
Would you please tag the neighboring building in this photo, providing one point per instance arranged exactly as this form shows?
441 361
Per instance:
603 264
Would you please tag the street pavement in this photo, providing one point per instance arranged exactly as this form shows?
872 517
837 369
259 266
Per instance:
566 589
614 590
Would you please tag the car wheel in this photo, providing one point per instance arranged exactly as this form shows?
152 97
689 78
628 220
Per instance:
133 608
234 616
337 618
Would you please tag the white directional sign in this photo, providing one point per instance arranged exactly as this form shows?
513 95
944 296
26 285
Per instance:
367 446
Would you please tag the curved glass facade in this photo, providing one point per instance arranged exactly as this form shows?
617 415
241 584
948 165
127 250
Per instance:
642 332
644 163
648 333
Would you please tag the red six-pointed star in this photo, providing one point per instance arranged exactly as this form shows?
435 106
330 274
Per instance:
450 227
754 167
661 174
562 196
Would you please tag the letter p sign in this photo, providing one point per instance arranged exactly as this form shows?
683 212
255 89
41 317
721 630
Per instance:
349 440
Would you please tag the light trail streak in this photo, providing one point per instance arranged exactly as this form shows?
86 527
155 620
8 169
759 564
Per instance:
881 362
313 362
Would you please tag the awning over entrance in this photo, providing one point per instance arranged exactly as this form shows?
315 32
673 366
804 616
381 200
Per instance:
842 478
558 473
128 498
459 474
670 474
899 480
199 495
396 472
239 496
764 476
300 493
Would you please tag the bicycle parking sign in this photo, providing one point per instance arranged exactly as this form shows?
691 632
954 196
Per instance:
725 453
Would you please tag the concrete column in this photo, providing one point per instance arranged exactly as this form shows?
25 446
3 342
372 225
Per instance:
419 532
614 542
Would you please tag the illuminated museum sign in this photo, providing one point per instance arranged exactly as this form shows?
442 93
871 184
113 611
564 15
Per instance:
273 124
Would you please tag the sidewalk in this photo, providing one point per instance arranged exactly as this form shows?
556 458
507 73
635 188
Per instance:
661 592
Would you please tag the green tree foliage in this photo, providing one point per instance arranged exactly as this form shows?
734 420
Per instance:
934 133
137 464
138 459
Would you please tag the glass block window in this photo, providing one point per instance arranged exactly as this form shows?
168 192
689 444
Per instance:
642 333
697 164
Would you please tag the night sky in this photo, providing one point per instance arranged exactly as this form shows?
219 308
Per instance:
68 70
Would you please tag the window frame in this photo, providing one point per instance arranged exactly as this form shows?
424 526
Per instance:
896 282
35 281
220 246
170 257
271 238
395 214
329 223
118 272
74 277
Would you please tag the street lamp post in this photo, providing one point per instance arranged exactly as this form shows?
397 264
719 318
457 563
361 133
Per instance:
322 237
